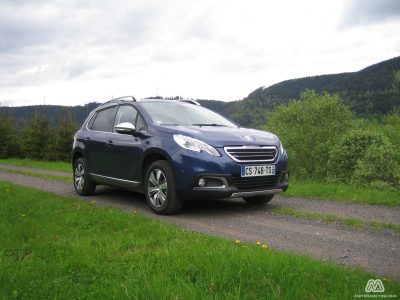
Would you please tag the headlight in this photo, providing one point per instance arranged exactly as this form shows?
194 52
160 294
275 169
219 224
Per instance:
283 151
194 145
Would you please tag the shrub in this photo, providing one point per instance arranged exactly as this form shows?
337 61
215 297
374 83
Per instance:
378 166
308 128
352 147
35 137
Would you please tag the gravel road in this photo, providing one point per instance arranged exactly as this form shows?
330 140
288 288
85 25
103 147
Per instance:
233 219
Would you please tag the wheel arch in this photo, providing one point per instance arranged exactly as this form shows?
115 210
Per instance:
152 156
75 155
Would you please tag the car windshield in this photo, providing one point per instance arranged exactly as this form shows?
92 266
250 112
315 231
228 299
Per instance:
176 113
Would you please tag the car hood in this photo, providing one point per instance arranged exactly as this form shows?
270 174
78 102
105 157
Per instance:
224 136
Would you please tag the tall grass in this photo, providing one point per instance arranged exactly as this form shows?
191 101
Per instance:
41 164
344 193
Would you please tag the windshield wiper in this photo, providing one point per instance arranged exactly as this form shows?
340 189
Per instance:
212 124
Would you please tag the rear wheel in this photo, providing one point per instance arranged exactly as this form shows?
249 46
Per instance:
258 200
84 186
160 189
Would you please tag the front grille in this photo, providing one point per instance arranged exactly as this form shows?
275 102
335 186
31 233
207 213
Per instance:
252 154
255 183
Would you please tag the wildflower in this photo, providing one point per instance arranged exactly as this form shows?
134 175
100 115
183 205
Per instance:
93 202
23 215
258 243
265 246
134 211
237 242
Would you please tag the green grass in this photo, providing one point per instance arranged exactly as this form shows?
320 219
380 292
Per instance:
48 165
350 222
343 193
67 179
57 247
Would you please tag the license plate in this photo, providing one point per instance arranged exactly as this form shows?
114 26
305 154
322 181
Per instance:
252 171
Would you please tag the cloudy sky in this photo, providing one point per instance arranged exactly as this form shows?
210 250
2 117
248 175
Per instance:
73 52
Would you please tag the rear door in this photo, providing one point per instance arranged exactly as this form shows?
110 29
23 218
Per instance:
98 144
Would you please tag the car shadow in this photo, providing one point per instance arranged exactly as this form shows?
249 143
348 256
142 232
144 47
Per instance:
191 207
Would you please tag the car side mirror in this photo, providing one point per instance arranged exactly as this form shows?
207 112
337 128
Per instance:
125 128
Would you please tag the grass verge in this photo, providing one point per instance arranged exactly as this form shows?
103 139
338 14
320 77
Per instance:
343 193
350 222
48 165
67 179
57 247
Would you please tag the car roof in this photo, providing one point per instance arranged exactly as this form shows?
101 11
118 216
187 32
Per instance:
131 99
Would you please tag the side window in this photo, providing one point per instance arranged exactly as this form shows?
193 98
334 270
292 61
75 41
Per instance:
140 124
104 119
90 124
126 113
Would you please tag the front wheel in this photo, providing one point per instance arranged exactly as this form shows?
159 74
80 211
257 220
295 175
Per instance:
160 189
258 200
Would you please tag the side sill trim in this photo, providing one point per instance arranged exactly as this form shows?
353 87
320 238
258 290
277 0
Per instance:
116 181
256 193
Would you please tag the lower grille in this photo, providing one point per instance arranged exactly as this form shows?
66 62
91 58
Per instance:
255 183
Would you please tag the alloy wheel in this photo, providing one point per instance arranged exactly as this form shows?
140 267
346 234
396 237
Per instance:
79 175
157 187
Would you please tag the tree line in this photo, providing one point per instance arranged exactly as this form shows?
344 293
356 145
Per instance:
36 138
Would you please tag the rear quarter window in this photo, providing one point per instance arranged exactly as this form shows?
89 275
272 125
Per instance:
103 120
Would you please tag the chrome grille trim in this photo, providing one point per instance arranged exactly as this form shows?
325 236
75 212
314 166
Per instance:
244 154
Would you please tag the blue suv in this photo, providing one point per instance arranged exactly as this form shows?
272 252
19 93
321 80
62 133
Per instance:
172 150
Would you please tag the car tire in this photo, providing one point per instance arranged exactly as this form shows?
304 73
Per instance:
258 200
160 189
83 184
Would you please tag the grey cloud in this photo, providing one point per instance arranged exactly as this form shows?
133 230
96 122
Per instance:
364 12
62 35
78 68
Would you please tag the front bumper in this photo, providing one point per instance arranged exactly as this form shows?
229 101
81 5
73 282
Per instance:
190 166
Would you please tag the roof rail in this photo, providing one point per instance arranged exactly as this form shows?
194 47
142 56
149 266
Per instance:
190 101
124 98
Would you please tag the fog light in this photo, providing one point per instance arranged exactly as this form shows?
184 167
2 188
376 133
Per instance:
202 182
285 177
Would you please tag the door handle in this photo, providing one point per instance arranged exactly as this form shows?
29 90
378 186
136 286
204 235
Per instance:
87 138
110 143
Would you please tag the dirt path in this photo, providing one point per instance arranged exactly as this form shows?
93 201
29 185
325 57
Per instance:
234 219
345 210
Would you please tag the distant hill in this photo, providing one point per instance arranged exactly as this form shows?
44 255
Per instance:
51 112
373 90
370 91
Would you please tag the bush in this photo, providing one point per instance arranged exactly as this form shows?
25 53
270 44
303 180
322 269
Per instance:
35 138
391 129
8 138
62 138
308 128
352 147
378 166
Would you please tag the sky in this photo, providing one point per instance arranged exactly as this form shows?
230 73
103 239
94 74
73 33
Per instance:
73 52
